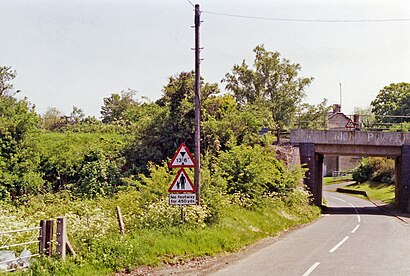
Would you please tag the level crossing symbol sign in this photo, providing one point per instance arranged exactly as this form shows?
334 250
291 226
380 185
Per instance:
182 158
182 183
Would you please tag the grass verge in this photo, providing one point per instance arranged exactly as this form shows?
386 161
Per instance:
329 180
236 228
376 191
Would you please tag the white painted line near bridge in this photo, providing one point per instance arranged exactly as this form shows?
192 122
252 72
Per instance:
357 212
338 245
354 230
310 270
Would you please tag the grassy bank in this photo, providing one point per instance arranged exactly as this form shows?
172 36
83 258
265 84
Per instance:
92 229
329 180
376 191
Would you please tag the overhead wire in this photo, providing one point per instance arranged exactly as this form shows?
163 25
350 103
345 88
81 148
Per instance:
191 3
309 20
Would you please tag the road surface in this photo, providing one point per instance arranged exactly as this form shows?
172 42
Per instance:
354 237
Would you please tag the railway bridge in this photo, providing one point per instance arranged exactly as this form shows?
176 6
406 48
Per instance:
314 144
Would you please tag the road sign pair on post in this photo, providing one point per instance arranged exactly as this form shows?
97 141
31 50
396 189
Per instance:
182 189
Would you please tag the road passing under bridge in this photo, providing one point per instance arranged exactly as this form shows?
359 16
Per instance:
352 238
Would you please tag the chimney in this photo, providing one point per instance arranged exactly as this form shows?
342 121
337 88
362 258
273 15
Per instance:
356 121
337 108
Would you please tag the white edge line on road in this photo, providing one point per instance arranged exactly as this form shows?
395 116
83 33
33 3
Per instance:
310 270
339 244
357 212
354 230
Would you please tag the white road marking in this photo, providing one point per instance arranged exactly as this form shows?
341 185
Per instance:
339 244
357 212
354 208
354 230
310 270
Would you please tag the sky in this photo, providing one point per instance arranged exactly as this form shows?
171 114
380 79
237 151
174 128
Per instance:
76 52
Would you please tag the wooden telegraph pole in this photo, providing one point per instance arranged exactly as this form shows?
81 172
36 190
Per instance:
197 174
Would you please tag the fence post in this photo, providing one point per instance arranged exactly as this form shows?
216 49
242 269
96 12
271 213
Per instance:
49 237
61 237
120 221
42 237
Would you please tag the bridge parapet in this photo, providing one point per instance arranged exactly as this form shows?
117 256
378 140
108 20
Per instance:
337 137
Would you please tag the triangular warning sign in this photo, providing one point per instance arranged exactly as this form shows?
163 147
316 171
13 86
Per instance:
182 158
350 124
181 183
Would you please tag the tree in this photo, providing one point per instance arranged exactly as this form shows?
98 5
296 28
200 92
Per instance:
77 115
272 81
392 100
115 105
162 125
225 124
6 76
19 157
178 98
313 116
52 118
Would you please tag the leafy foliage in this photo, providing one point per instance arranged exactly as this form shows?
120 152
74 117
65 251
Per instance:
82 168
19 158
393 99
6 76
313 116
155 238
82 162
52 119
363 172
116 105
273 82
255 172
161 126
377 169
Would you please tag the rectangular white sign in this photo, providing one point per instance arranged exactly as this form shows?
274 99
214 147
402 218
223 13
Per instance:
182 199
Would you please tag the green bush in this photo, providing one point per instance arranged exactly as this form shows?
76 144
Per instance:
19 156
383 170
252 172
82 162
363 172
93 176
377 169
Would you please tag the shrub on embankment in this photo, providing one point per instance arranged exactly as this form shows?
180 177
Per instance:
246 195
377 169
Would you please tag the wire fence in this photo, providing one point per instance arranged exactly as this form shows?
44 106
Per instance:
49 235
8 261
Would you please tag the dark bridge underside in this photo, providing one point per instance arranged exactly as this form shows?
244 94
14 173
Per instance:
313 145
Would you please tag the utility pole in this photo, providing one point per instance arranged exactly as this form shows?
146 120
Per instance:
197 175
340 95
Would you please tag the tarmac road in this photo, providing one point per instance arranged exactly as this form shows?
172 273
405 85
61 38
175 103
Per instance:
354 237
